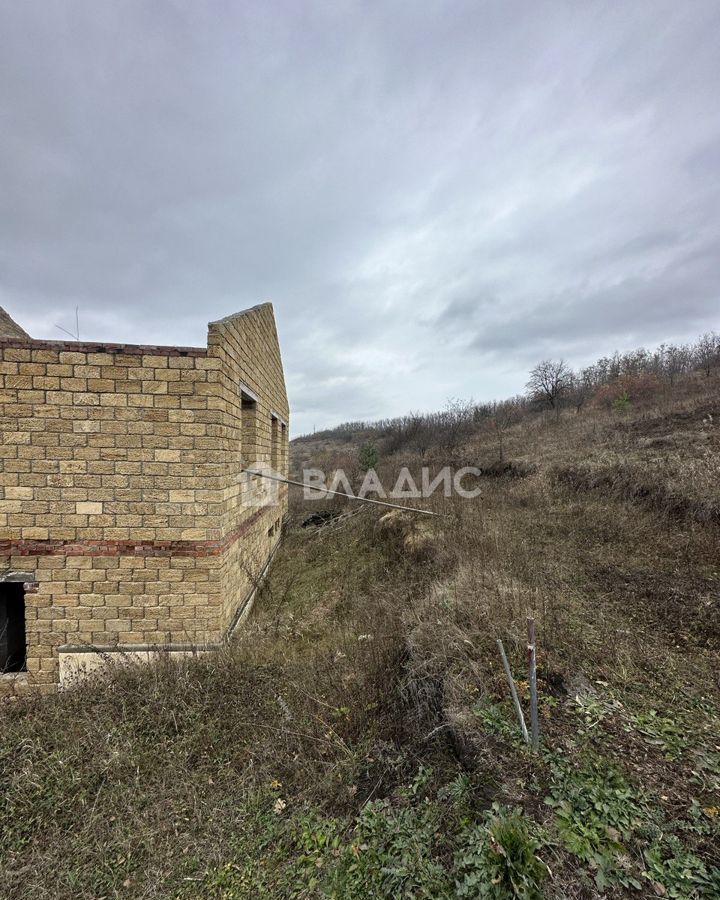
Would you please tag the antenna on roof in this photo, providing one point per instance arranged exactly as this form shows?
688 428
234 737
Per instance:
76 336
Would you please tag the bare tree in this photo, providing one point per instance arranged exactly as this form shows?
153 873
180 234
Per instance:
707 352
454 423
504 415
677 361
549 383
581 388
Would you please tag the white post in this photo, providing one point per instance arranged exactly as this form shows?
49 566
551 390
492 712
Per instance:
532 665
513 691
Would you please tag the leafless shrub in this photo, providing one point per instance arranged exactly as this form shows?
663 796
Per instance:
549 384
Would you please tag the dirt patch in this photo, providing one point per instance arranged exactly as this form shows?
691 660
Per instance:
684 609
627 482
669 424
508 469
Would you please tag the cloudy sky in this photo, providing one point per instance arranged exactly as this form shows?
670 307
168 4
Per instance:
434 195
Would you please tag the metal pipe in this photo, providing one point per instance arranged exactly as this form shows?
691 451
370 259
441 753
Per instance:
322 490
513 691
532 665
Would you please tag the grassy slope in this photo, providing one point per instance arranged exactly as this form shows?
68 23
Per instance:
357 741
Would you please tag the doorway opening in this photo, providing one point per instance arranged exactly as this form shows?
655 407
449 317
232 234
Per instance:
13 649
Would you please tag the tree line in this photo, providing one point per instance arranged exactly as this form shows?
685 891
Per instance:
618 380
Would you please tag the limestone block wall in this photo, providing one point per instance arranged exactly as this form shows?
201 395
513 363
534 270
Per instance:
122 505
247 349
115 445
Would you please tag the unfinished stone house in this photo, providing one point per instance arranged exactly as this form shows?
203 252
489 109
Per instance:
126 522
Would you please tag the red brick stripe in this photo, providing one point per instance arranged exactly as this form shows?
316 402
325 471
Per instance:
130 548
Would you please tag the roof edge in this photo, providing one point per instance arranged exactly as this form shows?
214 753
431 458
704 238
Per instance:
100 347
15 330
244 312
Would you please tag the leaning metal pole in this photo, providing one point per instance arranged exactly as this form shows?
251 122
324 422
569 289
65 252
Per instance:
323 490
513 692
532 673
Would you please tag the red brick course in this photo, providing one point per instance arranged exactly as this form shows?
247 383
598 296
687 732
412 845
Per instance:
129 548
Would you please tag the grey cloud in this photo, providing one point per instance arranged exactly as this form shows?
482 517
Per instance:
434 195
633 311
704 163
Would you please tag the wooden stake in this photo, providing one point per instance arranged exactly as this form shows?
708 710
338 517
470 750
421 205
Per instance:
513 691
532 665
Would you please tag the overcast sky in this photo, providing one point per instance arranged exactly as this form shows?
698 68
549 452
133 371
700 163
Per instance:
434 195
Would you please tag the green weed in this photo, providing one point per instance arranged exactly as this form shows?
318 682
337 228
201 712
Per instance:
593 710
680 873
495 720
596 814
661 732
498 859
393 853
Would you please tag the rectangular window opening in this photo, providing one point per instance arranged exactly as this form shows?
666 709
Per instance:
283 448
275 449
13 648
248 437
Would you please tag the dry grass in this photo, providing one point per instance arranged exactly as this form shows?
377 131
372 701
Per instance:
361 725
145 784
605 528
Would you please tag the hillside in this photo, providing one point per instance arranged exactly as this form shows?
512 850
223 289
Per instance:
358 740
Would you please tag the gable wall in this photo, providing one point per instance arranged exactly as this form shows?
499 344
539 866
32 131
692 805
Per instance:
120 488
246 345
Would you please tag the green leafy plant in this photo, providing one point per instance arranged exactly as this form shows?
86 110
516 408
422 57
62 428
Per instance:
706 770
318 843
459 788
701 819
498 859
495 720
420 781
596 811
392 855
661 732
593 709
680 873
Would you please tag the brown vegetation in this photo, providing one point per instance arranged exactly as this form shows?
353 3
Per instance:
353 740
604 526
